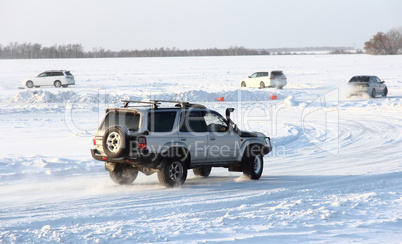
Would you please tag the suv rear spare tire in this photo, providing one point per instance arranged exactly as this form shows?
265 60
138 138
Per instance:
114 141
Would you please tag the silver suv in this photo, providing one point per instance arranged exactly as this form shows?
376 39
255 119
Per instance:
171 140
372 85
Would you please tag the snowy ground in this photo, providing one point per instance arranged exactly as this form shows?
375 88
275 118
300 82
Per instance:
335 173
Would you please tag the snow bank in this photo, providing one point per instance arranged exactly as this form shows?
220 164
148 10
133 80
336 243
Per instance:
38 166
87 97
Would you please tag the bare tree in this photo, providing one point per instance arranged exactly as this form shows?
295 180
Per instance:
394 40
385 43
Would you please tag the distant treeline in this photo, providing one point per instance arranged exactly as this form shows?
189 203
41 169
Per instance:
15 50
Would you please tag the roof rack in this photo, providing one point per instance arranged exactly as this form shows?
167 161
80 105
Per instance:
126 102
156 103
180 104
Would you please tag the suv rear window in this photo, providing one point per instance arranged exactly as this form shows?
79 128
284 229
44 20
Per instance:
68 73
276 73
161 121
129 120
360 79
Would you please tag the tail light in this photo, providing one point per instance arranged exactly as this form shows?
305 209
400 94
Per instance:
94 142
142 142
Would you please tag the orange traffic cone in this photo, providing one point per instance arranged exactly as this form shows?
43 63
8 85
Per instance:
221 99
273 97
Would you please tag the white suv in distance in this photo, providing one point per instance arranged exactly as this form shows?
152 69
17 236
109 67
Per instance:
264 79
57 78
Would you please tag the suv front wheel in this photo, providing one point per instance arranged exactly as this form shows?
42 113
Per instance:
30 84
174 173
253 166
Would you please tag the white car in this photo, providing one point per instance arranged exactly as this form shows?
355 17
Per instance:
57 78
264 79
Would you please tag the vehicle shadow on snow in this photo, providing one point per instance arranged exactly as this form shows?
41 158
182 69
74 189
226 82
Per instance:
334 182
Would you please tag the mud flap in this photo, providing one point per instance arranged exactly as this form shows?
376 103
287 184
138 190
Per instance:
109 166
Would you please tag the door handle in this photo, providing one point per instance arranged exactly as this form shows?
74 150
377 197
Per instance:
212 138
183 139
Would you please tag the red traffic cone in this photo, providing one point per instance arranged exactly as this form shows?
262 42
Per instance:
273 97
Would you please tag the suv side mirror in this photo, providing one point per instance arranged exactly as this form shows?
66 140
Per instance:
382 82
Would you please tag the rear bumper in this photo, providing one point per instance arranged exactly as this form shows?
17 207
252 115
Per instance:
98 156
358 91
140 160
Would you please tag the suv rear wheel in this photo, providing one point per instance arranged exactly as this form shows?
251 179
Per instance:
123 174
202 171
373 93
57 84
174 173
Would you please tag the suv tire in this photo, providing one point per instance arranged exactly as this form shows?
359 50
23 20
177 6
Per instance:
57 84
174 173
373 93
30 84
202 171
123 174
114 141
262 85
253 166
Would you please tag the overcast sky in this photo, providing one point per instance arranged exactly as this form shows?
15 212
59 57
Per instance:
192 24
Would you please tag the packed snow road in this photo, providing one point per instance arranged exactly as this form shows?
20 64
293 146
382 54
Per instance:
334 174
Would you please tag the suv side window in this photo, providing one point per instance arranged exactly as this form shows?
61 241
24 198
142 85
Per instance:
254 75
215 122
42 74
58 74
192 121
161 121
